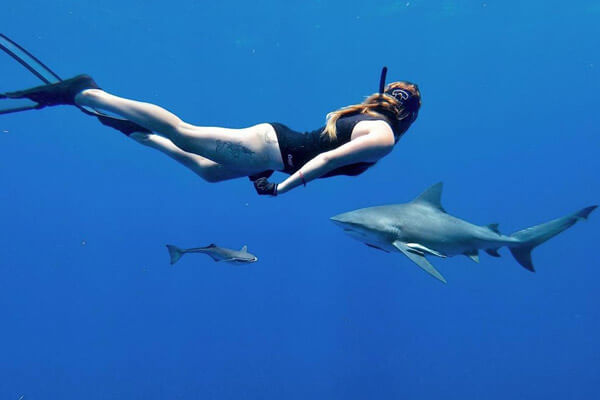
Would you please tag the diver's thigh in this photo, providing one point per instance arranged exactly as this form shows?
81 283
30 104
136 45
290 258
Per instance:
259 143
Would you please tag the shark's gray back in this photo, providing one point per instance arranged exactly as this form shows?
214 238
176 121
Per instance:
422 222
222 253
430 225
435 228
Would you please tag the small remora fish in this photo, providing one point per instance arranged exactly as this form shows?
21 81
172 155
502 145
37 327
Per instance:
219 254
423 228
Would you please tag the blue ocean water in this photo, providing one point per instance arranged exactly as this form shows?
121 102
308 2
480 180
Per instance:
90 307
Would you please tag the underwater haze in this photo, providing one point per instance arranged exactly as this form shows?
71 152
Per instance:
91 309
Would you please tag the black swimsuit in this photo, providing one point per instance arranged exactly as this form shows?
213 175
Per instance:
298 148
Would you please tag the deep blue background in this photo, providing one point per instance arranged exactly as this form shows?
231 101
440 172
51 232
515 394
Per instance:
509 123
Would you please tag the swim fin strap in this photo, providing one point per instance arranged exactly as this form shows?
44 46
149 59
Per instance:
49 77
28 60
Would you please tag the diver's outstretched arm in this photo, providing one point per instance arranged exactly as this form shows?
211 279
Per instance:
250 150
377 140
208 170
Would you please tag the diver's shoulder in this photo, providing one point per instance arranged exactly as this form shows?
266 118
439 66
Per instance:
373 126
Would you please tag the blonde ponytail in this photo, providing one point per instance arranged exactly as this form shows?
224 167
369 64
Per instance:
377 105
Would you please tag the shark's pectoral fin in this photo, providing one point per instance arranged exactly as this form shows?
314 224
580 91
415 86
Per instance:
473 255
418 258
217 259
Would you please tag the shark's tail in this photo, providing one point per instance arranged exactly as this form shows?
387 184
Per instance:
532 237
175 253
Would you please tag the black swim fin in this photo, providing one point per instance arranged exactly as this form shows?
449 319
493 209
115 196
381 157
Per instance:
56 91
53 94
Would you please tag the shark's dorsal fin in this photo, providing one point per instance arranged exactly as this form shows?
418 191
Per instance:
244 249
493 228
473 255
418 258
432 197
212 245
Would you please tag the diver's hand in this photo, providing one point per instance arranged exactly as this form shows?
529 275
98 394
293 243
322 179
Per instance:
264 187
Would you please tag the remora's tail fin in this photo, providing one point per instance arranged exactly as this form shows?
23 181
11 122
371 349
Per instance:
175 253
532 237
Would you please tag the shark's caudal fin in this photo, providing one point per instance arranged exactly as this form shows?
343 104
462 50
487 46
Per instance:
531 237
175 253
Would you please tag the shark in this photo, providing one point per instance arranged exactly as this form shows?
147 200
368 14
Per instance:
422 228
219 254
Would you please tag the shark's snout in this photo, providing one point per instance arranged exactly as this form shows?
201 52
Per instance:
350 224
335 218
356 225
343 218
340 220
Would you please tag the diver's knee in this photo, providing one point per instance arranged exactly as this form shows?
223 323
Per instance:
210 178
178 133
212 173
177 137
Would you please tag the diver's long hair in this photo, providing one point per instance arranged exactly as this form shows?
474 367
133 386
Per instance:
380 105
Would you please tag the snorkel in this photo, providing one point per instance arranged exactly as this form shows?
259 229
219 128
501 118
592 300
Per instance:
382 79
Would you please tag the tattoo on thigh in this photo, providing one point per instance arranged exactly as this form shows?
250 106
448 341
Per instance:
235 150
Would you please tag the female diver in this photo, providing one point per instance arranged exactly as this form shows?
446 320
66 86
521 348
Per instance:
354 138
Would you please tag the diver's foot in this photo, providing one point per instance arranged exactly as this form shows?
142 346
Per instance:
54 94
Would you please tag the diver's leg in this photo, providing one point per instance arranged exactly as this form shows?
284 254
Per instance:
150 116
254 149
250 150
208 170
